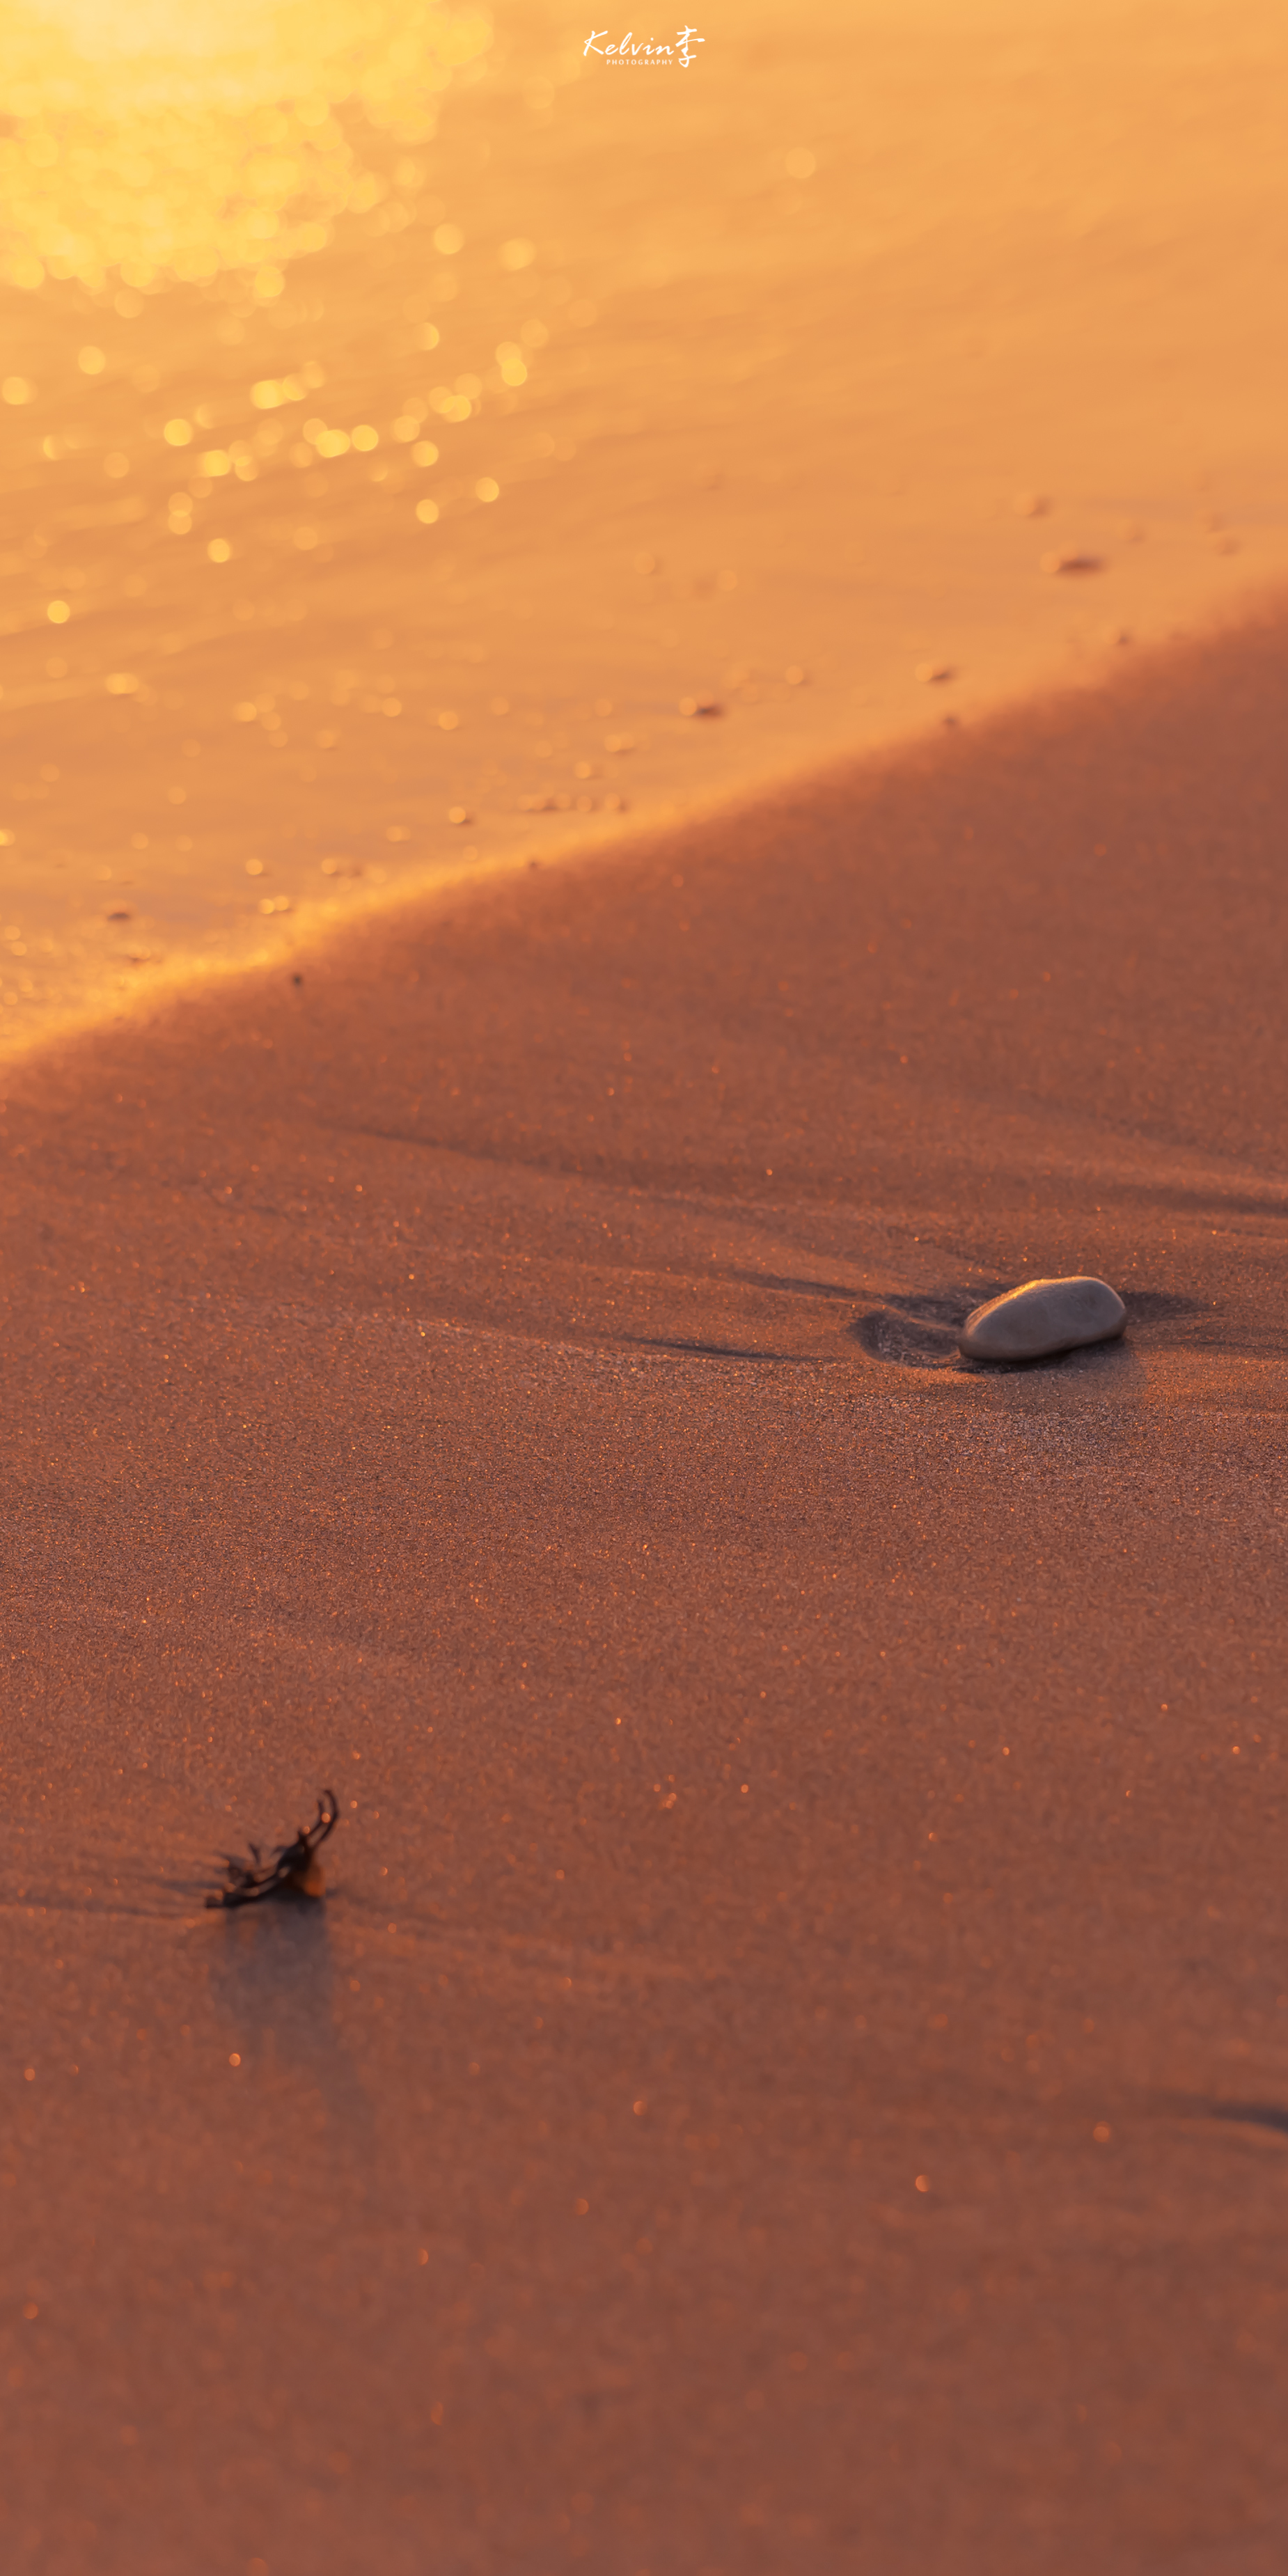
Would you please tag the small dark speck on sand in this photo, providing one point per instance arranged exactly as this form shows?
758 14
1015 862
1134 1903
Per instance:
1066 559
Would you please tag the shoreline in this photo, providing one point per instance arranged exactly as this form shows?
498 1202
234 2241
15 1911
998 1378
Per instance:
794 423
319 923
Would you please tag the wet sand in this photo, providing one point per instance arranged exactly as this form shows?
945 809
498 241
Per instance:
791 2071
793 334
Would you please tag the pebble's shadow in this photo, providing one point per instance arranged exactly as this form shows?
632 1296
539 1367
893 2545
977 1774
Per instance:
920 1332
1251 2115
1200 2108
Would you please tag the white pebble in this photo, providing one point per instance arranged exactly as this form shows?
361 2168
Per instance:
1043 1317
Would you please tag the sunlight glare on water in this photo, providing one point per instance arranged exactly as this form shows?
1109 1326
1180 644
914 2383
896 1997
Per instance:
180 138
427 452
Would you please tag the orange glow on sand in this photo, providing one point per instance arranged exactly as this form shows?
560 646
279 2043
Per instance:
641 765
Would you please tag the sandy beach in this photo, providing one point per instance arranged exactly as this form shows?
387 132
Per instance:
790 2074
791 2071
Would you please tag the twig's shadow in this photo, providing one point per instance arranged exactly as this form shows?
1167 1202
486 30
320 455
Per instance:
273 1978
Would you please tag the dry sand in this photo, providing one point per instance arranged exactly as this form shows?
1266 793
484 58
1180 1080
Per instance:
791 2073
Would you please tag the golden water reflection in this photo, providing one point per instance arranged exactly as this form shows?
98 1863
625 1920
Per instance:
619 448
182 138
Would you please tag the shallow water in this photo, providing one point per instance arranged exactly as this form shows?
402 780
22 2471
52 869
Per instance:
428 448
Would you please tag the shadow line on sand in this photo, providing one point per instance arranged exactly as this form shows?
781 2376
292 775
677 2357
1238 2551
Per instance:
1251 2115
1197 2110
714 1350
921 1331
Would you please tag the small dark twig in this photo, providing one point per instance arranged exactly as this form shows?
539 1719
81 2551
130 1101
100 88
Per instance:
294 1866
